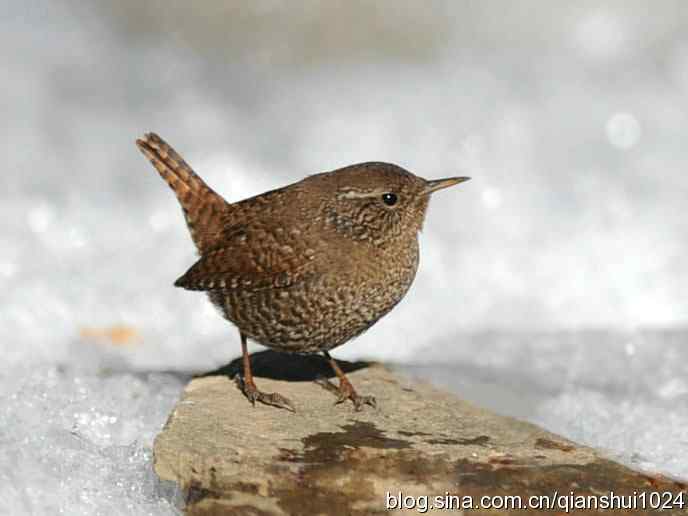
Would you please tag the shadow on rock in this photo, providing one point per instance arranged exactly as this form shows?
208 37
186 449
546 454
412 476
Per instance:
286 366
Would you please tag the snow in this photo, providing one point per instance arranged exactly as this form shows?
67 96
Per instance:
79 443
566 117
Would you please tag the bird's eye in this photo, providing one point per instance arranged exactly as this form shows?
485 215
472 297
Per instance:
389 198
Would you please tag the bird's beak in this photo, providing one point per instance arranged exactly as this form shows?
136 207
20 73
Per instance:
438 184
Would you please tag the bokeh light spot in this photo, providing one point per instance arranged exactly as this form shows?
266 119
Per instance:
623 130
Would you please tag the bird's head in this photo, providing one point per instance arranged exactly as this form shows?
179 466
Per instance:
377 202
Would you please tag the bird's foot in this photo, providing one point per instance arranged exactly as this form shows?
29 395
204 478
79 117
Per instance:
268 398
346 391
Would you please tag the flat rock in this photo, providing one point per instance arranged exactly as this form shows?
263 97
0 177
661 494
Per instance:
232 458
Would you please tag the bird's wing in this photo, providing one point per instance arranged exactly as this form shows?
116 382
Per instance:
253 257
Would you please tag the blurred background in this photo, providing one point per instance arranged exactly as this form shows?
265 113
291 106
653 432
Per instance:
552 287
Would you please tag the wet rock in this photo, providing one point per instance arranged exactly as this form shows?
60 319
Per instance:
232 458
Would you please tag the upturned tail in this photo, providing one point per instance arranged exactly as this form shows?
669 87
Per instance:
203 208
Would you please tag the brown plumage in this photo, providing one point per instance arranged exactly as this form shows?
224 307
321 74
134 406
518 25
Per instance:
306 267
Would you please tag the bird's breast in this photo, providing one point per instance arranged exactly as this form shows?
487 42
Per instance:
369 286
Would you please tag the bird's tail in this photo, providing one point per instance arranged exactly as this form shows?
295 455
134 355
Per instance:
203 208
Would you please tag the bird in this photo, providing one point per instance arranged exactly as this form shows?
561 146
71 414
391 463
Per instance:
306 267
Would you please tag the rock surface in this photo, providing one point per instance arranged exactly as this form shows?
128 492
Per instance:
232 458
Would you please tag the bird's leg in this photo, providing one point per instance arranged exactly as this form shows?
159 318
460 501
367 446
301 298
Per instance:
346 391
248 386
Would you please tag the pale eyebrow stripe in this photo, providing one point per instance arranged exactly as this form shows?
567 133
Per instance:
352 194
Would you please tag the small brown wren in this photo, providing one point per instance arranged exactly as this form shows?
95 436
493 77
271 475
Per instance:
306 267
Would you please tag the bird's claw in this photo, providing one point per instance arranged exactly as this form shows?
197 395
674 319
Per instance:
252 393
346 391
